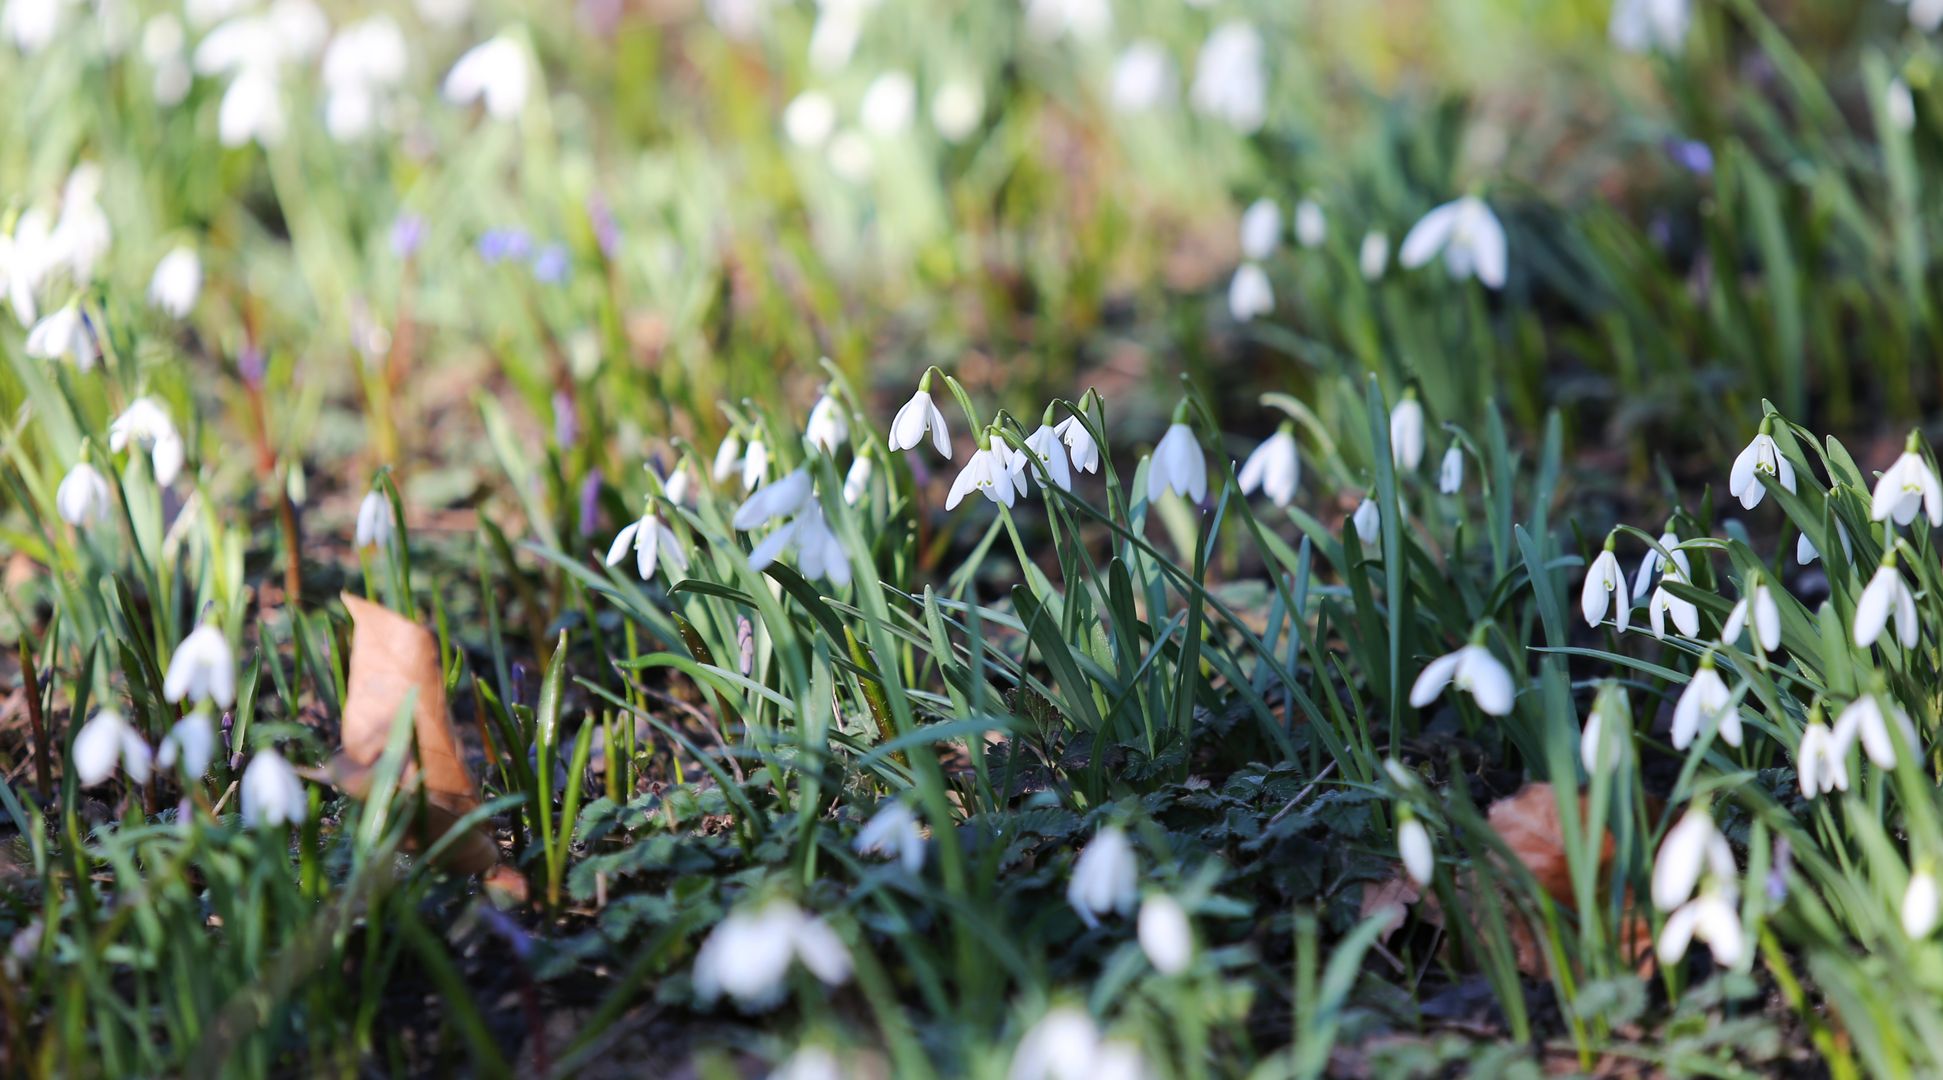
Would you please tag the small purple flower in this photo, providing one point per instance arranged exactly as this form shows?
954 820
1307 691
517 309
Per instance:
601 217
1692 155
500 245
590 503
251 366
407 232
566 420
550 266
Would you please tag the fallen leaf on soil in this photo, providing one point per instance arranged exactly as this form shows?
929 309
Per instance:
392 659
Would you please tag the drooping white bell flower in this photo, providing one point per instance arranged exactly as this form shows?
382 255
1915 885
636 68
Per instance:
1692 847
144 425
1650 564
1311 224
1143 78
956 109
728 459
375 523
1044 445
252 108
819 553
1471 669
107 740
918 416
1640 26
833 38
26 257
1249 293
1079 442
809 118
1664 605
1165 934
202 669
653 543
1274 468
192 741
1064 1045
1450 472
1105 877
1919 904
63 335
894 832
1906 487
1821 762
1886 595
1925 15
32 25
856 481
1761 458
362 65
1469 236
994 472
1407 433
889 103
81 234
1805 552
1413 847
778 500
755 463
1261 229
494 72
83 497
1867 720
1610 718
748 954
1715 918
1178 465
1756 609
1367 521
1230 83
1899 105
176 283
301 27
1705 698
1373 257
827 427
272 793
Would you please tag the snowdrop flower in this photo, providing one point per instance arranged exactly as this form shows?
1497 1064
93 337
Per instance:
494 72
1805 552
749 953
1261 229
1821 762
1311 224
105 741
1407 432
1143 77
1229 83
1650 564
1249 293
145 425
1757 609
810 1062
1082 20
994 472
251 109
1472 669
31 24
1063 1045
1692 847
1899 106
1920 903
1609 707
1178 464
1044 444
956 109
809 118
272 794
63 335
819 554
755 462
192 741
1650 25
918 416
1467 233
894 831
728 459
1925 15
202 669
1413 847
81 234
300 27
1906 487
1705 698
1105 877
26 256
834 37
443 13
1761 458
1715 919
177 281
1450 473
1368 521
1866 719
83 497
827 428
363 62
652 542
1165 935
888 104
856 482
375 523
1274 468
1079 442
1886 594
778 500
1685 616
1374 255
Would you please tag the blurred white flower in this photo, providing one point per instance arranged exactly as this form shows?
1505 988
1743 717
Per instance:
809 118
1714 918
653 543
1605 583
1761 458
1044 444
1311 224
1079 441
1685 616
1368 521
1886 594
1082 20
676 488
1105 877
494 72
1178 465
1805 552
202 669
1413 847
1471 669
1906 487
1229 82
811 1063
1469 236
1274 468
32 24
755 463
192 741
81 235
1691 847
272 793
375 521
1063 1045
1865 719
749 953
252 109
916 417
1650 25
26 257
993 473
300 27
856 481
1143 77
1407 433
1650 564
827 427
238 44
1899 105
888 104
1374 256
778 500
728 459
145 426
1706 697
1261 229
361 65
105 741
63 335
1165 934
176 283
83 497
1249 293
1593 751
1821 762
851 157
1757 609
443 13
833 39
1919 904
172 81
1450 472
894 832
819 553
